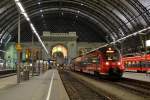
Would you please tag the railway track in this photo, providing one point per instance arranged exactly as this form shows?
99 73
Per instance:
7 73
139 87
136 86
77 90
124 89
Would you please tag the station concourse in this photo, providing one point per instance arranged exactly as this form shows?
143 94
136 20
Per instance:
74 49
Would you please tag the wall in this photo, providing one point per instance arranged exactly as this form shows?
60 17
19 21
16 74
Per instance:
72 46
10 56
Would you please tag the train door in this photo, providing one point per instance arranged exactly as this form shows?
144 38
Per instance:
95 62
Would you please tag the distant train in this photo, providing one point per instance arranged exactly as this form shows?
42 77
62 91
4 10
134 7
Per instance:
2 64
139 63
104 61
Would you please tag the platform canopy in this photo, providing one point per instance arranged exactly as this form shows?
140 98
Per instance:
93 20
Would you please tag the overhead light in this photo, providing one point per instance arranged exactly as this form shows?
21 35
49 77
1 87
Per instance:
123 38
33 28
41 10
62 13
26 17
82 4
42 15
20 7
22 10
39 3
16 0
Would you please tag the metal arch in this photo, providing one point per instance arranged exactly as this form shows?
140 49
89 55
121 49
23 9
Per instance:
9 18
119 23
30 10
104 22
104 25
87 2
95 9
4 2
9 21
83 14
110 29
121 8
5 19
125 12
105 10
6 11
144 8
115 27
140 8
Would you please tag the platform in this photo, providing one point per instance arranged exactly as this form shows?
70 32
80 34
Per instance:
48 86
137 76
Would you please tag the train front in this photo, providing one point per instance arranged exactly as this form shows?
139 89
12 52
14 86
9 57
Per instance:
112 64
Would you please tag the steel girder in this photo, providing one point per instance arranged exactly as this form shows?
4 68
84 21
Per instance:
100 10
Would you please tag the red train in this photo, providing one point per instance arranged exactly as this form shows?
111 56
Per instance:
140 63
106 61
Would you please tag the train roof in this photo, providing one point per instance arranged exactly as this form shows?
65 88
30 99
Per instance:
100 49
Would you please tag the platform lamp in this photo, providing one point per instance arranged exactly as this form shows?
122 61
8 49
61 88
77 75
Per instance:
19 50
32 55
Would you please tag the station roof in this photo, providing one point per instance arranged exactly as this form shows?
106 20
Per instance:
93 20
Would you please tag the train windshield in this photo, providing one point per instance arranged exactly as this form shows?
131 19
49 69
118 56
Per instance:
112 55
94 60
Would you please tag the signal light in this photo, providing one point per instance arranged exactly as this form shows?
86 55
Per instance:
107 63
118 63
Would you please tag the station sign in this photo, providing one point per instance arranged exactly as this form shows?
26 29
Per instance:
18 47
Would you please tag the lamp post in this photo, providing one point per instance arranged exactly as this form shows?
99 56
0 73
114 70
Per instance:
19 49
32 55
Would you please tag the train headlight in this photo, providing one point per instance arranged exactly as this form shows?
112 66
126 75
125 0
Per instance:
119 63
107 63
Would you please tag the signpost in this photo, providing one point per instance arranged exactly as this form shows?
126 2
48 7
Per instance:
19 50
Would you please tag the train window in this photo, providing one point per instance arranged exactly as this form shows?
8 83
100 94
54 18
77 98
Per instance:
95 60
133 64
148 64
138 64
112 56
129 64
142 64
126 64
148 51
2 64
82 63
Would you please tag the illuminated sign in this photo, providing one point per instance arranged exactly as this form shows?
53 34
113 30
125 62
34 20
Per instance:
148 43
110 50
